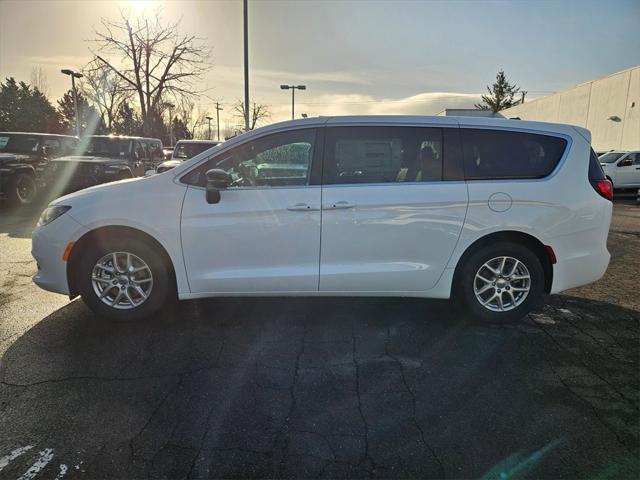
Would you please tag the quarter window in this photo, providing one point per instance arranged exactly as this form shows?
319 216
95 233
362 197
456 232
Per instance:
382 155
495 154
281 159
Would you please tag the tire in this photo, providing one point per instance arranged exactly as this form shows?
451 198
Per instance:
162 287
22 189
511 288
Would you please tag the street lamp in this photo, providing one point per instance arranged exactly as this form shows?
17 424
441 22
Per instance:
74 75
209 120
218 108
170 106
293 89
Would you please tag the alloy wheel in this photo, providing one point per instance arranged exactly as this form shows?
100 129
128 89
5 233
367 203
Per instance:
122 280
502 284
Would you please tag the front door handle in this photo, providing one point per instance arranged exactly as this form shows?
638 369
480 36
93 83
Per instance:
340 206
302 207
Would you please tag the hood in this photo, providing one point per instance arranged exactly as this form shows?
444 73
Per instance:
111 188
86 158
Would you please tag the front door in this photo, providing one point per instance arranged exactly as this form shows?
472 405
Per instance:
389 221
263 237
628 171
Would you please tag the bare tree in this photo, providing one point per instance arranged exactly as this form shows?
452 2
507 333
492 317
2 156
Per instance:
194 119
106 90
40 80
154 60
258 114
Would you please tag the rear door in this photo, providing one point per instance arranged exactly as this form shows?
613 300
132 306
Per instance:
391 210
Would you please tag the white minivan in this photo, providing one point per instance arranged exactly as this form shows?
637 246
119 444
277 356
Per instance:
490 212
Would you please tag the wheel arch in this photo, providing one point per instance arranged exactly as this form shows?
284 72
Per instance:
531 242
100 234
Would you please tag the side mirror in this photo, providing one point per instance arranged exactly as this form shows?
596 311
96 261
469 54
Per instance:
216 180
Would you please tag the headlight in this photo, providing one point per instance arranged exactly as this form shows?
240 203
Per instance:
51 213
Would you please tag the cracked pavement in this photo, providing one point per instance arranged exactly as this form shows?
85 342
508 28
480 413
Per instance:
326 388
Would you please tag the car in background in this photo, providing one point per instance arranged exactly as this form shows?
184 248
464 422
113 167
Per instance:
490 212
167 152
622 168
184 150
23 158
102 159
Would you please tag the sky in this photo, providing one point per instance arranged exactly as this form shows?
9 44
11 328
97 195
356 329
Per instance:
355 57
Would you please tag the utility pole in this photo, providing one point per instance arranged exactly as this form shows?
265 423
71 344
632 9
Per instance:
293 89
218 108
246 65
209 120
523 94
73 76
170 107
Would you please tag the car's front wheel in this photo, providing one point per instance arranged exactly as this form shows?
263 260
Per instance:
501 283
123 279
22 189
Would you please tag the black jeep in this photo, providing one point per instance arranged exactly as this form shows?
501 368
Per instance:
23 159
102 159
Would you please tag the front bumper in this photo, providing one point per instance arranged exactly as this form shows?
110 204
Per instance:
47 247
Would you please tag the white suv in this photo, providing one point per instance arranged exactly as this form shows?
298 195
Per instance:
622 168
490 212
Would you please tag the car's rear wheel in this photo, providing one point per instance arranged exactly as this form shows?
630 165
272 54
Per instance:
22 189
501 282
123 279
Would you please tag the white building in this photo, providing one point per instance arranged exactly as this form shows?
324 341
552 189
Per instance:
609 107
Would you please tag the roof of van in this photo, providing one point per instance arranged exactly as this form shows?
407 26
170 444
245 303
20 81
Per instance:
433 120
212 142
40 133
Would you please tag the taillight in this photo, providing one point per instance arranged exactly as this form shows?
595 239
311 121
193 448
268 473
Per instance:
604 188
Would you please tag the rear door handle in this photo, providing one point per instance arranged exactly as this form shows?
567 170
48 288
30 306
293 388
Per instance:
340 206
302 207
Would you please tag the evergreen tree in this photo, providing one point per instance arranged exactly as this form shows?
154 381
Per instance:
90 119
26 109
501 95
127 121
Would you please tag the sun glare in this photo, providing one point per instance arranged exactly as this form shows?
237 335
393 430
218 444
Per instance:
141 4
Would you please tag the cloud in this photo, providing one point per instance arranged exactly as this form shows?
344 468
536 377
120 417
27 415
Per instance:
428 103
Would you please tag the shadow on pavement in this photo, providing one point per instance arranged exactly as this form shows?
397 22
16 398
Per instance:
327 387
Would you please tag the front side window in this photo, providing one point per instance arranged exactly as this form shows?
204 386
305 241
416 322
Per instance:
382 155
281 159
497 154
610 157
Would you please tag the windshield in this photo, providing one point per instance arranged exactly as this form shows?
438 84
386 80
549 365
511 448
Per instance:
19 143
107 147
189 150
610 157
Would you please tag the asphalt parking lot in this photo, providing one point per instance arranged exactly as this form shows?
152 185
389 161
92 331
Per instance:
328 388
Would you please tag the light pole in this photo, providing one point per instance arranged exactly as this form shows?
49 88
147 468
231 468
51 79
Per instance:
209 120
218 108
170 106
293 89
245 11
74 75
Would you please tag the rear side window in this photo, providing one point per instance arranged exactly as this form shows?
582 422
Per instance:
496 154
380 154
595 169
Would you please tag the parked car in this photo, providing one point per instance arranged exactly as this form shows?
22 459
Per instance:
490 212
184 150
23 158
103 158
622 168
167 152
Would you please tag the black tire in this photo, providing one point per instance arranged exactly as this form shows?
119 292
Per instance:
466 278
22 189
162 291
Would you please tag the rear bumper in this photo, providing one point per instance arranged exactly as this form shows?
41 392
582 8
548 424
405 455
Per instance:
47 247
